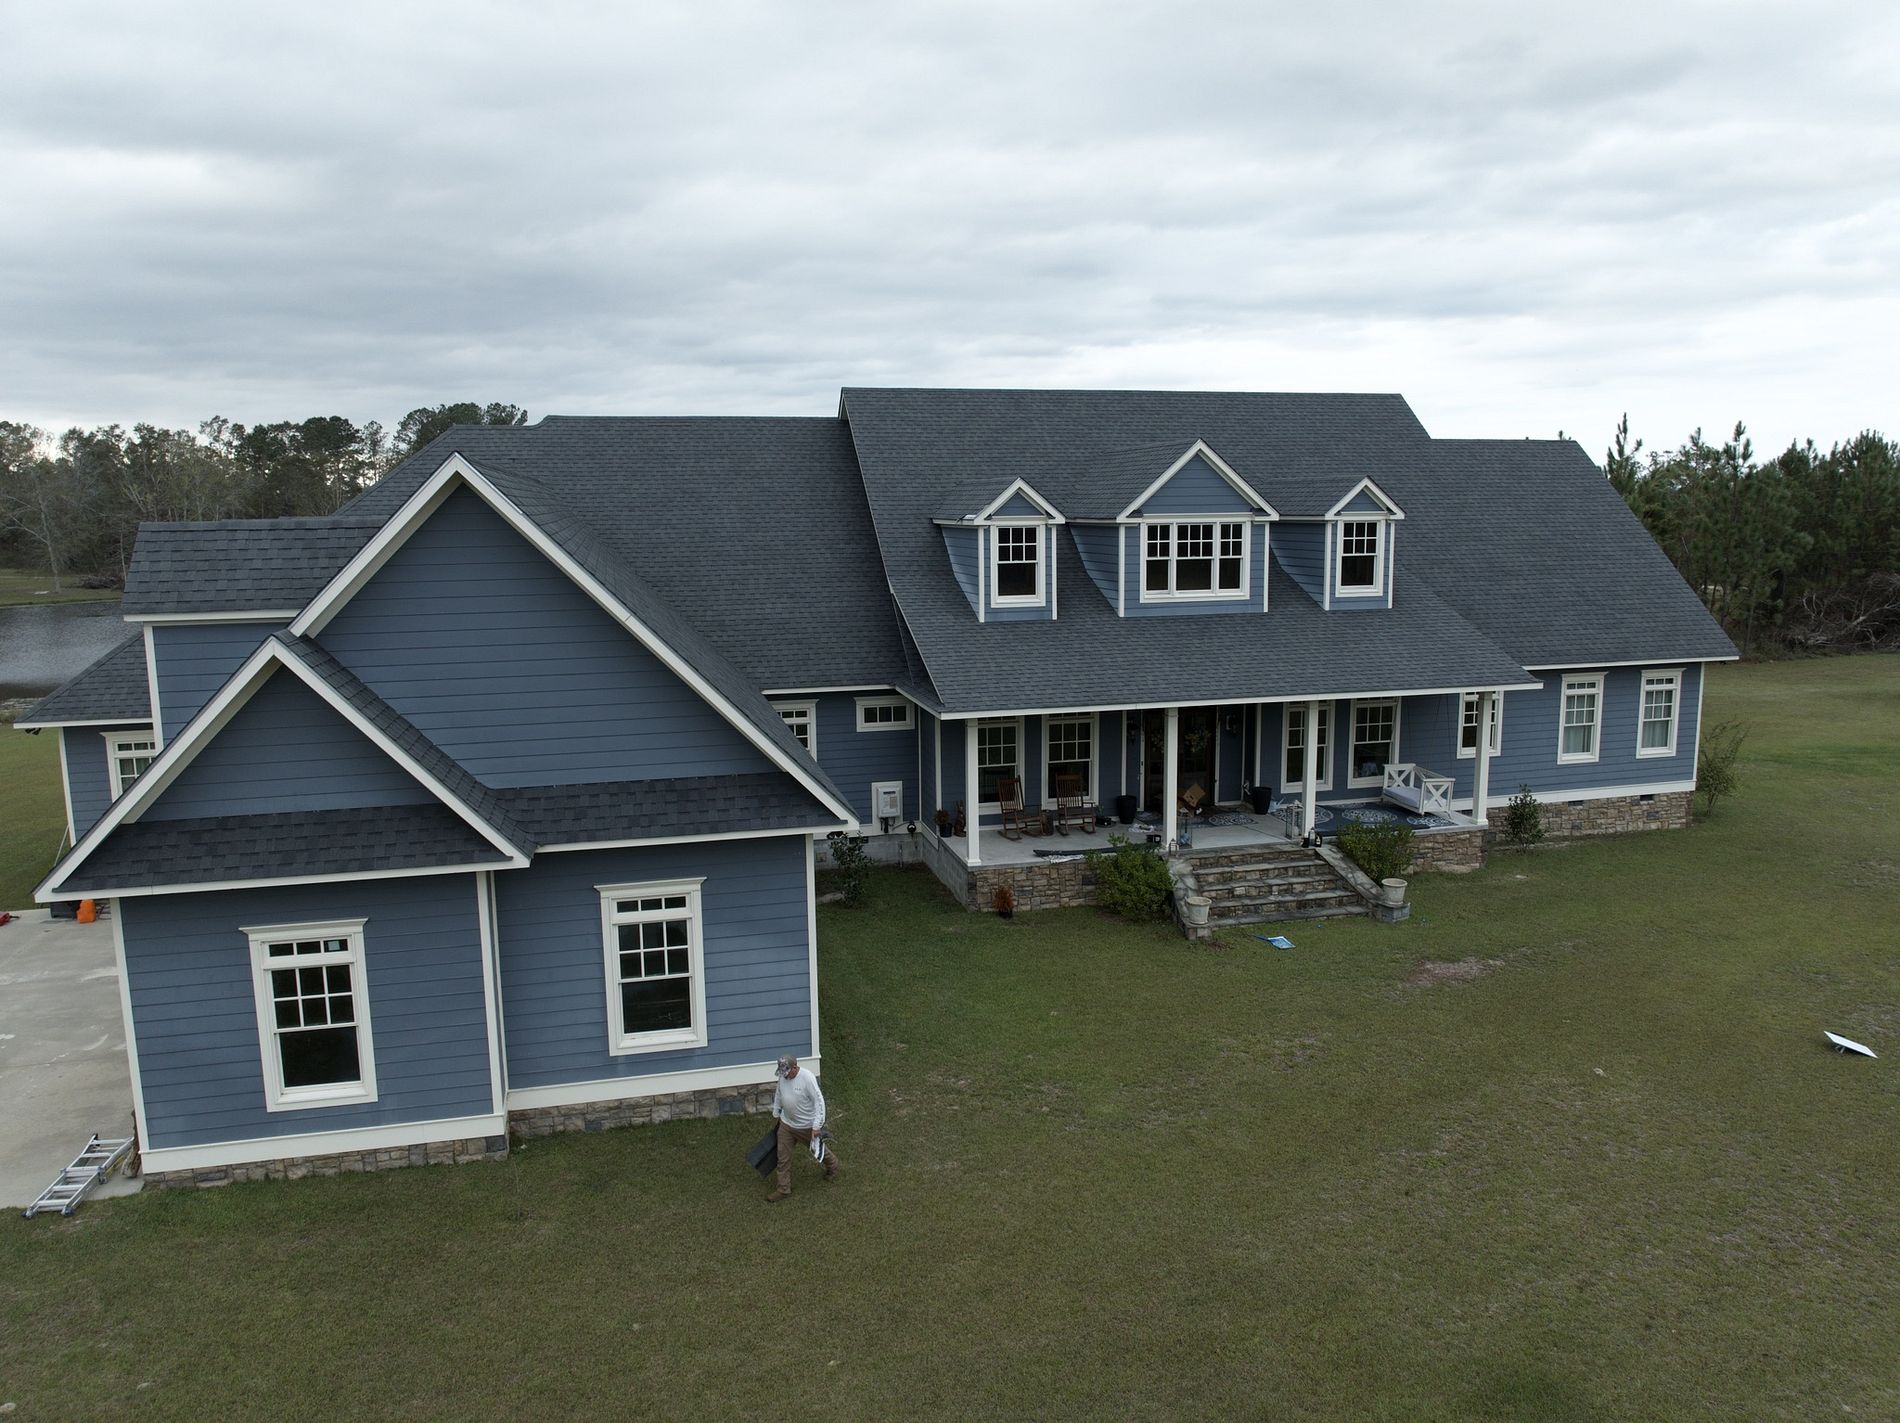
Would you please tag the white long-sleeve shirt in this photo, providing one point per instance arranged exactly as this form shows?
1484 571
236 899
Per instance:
798 1102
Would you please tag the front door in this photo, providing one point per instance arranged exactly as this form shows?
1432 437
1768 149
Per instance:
1196 751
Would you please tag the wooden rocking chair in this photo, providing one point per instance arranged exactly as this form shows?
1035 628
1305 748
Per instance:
1017 821
1073 807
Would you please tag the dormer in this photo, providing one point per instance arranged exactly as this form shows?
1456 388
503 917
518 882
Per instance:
1002 549
1361 535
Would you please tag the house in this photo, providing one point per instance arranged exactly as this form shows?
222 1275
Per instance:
491 803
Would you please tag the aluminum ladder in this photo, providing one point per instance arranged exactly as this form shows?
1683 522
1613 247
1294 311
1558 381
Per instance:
98 1161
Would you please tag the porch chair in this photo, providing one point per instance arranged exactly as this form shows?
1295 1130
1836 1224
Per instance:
1072 806
1017 821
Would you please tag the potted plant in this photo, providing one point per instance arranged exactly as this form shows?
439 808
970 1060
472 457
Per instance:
942 822
1004 901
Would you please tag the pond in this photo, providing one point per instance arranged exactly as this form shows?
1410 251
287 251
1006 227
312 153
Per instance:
40 647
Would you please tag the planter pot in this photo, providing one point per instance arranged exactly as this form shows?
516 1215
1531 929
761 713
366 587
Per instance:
1392 892
1261 798
1006 913
1194 909
1125 808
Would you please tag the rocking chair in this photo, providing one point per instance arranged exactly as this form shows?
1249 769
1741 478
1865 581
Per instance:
1017 821
1073 807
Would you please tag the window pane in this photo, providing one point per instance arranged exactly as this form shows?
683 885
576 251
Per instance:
283 983
677 961
675 933
309 980
343 1009
1155 575
1372 728
657 1006
1193 575
1358 571
1230 575
1016 580
316 1058
287 1015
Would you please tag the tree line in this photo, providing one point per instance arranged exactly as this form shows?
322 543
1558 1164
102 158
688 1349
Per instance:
73 504
1802 550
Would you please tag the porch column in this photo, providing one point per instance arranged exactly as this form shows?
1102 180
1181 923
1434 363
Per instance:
969 792
1481 773
1309 789
1171 780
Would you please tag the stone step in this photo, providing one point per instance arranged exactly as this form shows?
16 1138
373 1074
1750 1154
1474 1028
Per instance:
1250 893
1321 897
1231 921
1289 869
1252 855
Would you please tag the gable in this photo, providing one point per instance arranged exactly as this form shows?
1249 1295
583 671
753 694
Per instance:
496 656
192 660
1197 488
286 749
1364 503
1019 506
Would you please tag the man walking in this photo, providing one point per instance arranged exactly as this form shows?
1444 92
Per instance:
800 1109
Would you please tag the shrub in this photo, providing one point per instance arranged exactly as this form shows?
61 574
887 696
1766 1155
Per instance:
851 863
1131 881
1523 819
1716 773
1383 851
1004 900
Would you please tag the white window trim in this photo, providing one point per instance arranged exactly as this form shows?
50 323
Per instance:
1468 700
993 538
810 712
1354 780
904 702
1374 589
1324 780
1214 595
990 806
277 1097
116 747
1592 683
1673 675
620 1043
1049 723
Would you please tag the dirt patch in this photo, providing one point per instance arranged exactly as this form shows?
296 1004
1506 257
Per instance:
1427 972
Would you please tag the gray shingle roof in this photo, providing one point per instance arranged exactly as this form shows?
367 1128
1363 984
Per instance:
112 689
307 842
249 565
684 805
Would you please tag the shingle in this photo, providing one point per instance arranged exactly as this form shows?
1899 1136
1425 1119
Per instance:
239 565
683 805
114 688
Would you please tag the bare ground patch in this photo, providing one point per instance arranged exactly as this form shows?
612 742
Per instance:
1428 972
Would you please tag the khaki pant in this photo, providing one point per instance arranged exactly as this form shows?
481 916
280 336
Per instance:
794 1141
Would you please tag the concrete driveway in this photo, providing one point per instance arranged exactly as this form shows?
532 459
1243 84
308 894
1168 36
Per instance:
63 1072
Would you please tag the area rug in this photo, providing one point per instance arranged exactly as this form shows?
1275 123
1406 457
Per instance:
1229 817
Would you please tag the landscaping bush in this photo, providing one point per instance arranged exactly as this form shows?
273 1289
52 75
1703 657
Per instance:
851 863
1383 851
1523 819
1131 881
1716 774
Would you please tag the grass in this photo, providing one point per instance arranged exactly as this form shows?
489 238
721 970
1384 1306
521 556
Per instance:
32 813
21 586
1094 1171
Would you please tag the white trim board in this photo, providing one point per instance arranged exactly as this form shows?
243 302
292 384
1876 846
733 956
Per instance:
1640 662
151 686
1237 699
126 721
278 881
1558 797
615 1089
262 615
323 1143
1392 509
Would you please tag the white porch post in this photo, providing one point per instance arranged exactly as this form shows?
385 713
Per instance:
1309 789
972 818
1481 775
1171 780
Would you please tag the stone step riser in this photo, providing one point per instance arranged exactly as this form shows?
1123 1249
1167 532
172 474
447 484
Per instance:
1240 920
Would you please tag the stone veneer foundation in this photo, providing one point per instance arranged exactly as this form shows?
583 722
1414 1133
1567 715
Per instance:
295 1168
1612 815
641 1111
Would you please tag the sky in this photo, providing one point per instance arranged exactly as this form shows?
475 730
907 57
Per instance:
1523 218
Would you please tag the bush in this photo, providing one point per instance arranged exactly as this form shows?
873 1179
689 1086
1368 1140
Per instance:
1131 881
1523 819
1716 773
1383 851
851 863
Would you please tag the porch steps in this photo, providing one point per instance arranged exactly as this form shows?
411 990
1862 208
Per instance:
1271 884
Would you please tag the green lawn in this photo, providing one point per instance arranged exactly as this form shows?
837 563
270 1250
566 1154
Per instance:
1096 1172
32 813
31 585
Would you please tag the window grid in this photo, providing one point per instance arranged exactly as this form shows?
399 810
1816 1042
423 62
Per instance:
1359 555
1195 558
1374 738
653 967
1582 707
313 1018
130 757
1296 748
1657 736
997 757
1071 751
1468 724
884 714
799 718
1018 563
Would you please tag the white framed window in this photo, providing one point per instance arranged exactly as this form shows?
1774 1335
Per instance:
1293 745
1361 567
313 1014
1375 741
1198 559
1581 719
1068 744
1661 710
802 718
883 714
128 753
1016 566
656 970
999 754
1468 725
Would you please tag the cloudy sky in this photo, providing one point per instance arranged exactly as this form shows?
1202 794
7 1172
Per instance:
1525 218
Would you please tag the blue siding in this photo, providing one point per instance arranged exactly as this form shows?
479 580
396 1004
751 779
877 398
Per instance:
1018 506
553 976
88 780
854 759
1096 544
1528 755
1301 551
287 749
1232 769
954 734
961 546
194 660
496 656
200 1063
1173 608
1197 488
927 800
1363 503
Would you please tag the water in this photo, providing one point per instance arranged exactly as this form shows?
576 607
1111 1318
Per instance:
40 647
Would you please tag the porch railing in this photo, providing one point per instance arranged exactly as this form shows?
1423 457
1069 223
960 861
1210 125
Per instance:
1409 784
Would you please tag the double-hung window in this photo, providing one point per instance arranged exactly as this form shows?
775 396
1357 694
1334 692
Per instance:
1070 751
1468 724
312 1014
1194 560
1662 709
1359 556
802 719
1375 741
998 757
1016 567
128 753
656 971
1295 739
1582 720
883 714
